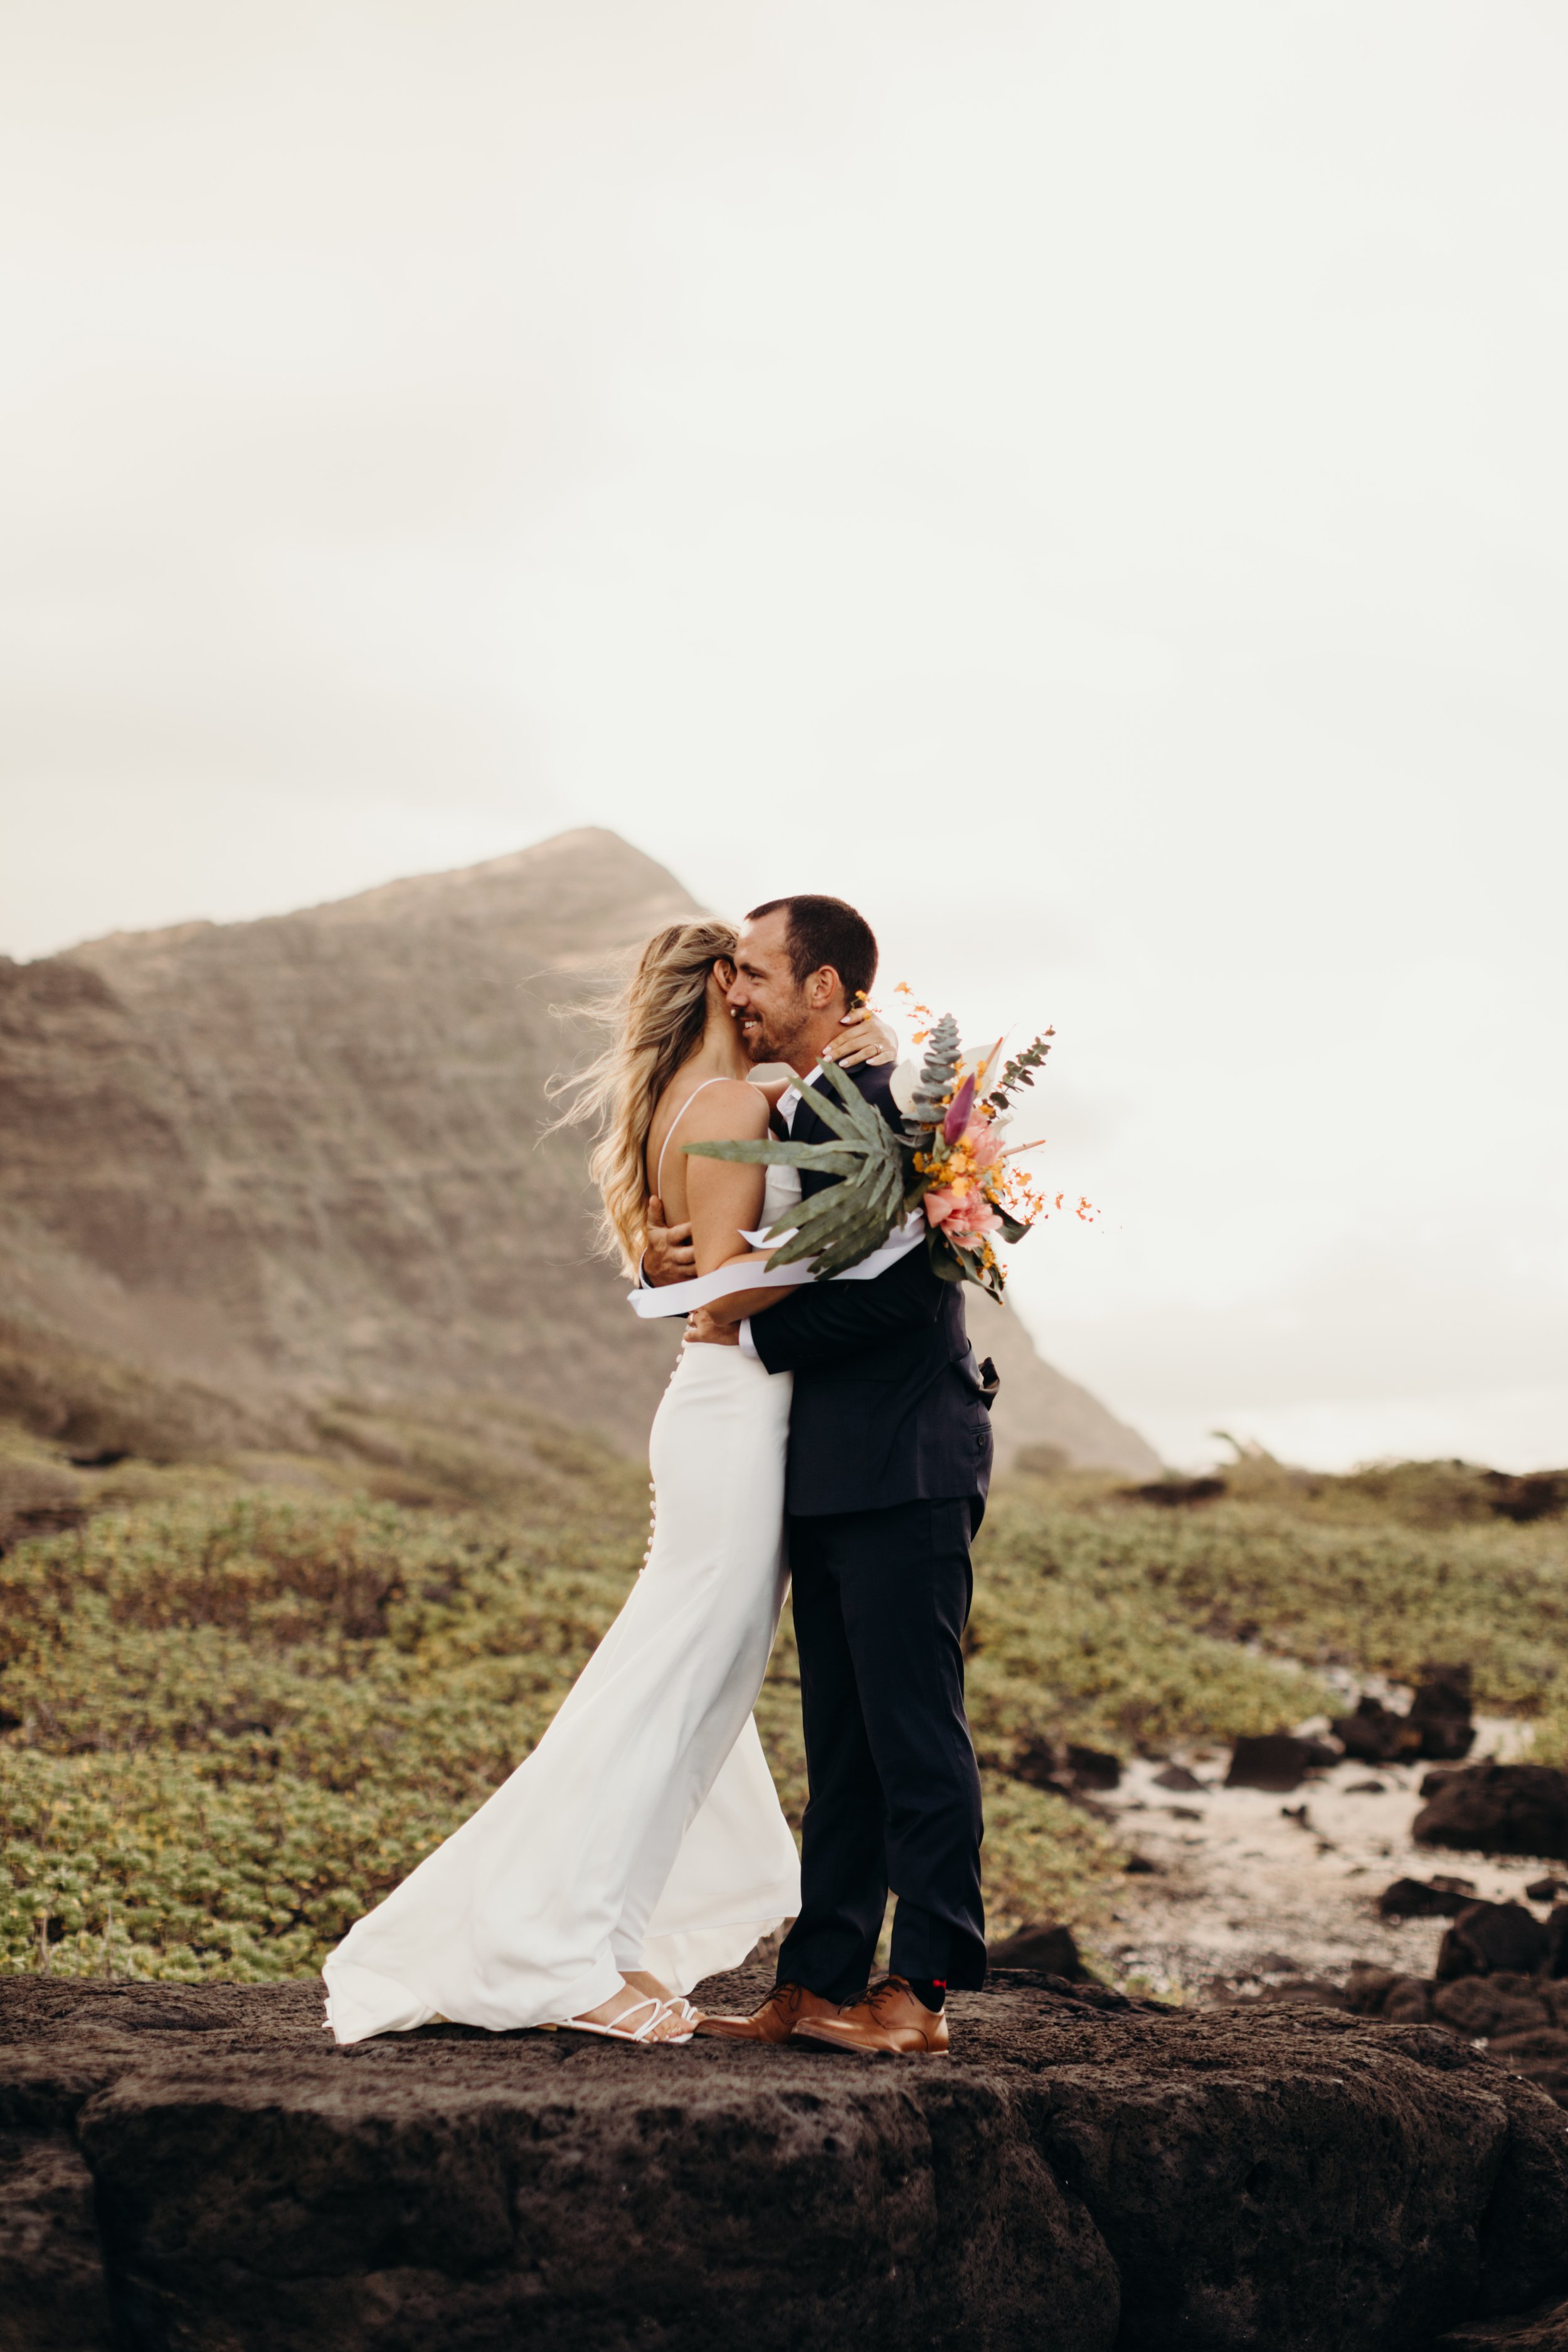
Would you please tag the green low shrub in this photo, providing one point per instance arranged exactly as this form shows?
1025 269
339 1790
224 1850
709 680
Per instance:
231 1723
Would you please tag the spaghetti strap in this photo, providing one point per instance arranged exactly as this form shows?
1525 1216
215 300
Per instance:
675 1122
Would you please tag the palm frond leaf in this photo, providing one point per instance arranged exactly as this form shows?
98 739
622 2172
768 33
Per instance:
846 1222
833 1157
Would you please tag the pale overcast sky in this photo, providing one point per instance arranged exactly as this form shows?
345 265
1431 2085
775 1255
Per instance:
1087 482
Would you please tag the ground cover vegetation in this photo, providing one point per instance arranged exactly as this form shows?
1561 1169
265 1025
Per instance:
239 1700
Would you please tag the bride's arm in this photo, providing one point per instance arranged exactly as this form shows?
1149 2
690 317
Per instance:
867 1038
737 1306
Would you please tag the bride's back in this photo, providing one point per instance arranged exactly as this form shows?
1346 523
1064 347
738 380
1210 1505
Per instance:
701 1107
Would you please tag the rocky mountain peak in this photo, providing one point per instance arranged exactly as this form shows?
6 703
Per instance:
304 1156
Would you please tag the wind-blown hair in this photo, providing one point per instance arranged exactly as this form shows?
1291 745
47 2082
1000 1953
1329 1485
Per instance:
655 1023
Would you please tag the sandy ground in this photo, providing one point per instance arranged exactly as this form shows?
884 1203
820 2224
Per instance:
1250 1886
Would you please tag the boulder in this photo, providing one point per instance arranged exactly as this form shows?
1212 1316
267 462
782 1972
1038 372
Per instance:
1176 1776
1044 1945
1497 1809
1540 2052
1374 1734
1557 1941
1276 1760
1068 1771
1366 1986
1487 1938
1409 2002
1438 1727
1521 2020
1440 1713
1478 2007
1086 2171
1426 1898
1172 1492
1093 1768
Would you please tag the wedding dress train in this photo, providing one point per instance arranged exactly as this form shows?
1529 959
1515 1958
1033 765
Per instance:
642 1832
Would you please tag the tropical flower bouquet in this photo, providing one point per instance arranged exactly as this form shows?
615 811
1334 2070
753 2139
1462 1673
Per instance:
948 1162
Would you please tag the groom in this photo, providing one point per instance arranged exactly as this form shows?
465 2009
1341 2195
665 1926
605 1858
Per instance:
889 1458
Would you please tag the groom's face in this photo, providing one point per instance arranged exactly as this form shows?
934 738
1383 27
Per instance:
775 1013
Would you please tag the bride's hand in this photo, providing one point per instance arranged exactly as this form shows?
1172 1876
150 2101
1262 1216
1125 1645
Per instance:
869 1039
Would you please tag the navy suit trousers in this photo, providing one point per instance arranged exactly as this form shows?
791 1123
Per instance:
881 1600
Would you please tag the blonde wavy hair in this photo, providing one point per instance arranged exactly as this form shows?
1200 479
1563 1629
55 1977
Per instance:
655 1023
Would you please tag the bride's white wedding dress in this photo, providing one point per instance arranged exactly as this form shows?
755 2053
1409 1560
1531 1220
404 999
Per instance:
642 1832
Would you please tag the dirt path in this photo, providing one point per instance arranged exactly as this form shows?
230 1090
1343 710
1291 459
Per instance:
1248 1886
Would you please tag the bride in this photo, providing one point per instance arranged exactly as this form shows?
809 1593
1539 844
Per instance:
640 1847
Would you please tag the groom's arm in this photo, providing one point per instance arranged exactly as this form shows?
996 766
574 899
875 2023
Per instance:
824 1321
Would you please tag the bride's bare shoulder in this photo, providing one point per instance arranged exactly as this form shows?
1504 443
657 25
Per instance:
721 1110
729 1107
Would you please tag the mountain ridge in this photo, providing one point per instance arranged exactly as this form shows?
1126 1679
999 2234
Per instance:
302 1157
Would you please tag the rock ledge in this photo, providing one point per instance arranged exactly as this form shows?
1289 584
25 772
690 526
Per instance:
194 2166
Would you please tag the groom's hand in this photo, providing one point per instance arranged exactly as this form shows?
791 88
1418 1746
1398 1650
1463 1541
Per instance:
703 1325
669 1255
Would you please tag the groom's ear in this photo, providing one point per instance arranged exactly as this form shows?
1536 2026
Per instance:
822 987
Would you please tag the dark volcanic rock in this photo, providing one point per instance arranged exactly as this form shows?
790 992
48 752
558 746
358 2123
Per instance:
1042 1944
1374 1734
1440 1712
1085 2171
1427 1898
1276 1760
1175 1492
1438 1727
1497 1809
1557 1941
1071 1772
53 2293
1522 2019
1482 2006
1490 1937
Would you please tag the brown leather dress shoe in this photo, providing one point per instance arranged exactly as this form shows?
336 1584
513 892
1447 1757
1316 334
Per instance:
782 2014
885 2023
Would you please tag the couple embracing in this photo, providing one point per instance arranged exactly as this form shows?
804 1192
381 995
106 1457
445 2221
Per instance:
833 1432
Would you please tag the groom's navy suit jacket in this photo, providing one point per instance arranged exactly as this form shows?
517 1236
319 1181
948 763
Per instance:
890 1405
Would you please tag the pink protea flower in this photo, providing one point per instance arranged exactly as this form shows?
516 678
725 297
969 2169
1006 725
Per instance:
983 1143
960 1212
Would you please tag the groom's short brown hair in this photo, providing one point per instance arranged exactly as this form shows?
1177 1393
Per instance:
826 930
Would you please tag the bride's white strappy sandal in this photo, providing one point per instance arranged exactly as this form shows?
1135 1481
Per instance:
619 2030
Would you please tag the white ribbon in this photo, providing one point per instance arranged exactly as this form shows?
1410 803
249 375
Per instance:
685 1297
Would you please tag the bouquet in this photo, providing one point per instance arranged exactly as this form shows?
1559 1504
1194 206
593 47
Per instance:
947 1161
